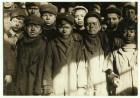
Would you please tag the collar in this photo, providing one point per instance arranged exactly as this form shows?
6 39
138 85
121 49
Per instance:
127 46
14 34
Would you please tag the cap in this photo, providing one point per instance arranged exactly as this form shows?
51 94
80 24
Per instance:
33 19
92 14
18 12
80 7
113 10
50 8
29 4
130 6
65 16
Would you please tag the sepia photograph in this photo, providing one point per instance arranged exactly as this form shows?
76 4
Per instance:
70 48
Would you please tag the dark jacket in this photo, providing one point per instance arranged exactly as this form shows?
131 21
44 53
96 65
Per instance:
61 53
50 33
9 59
30 60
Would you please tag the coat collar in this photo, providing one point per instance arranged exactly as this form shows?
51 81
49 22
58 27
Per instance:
64 44
122 50
11 33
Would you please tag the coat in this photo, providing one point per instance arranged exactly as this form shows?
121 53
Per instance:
92 62
10 51
61 67
49 33
30 62
124 64
10 56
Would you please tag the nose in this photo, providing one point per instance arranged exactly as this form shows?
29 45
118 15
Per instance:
79 18
47 17
32 11
111 20
17 24
91 25
32 28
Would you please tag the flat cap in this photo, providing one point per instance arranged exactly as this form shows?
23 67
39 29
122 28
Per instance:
18 12
113 10
130 6
65 16
33 19
29 4
92 14
80 7
50 8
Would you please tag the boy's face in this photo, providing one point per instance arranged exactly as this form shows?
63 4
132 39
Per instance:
49 18
131 14
33 30
129 35
112 20
34 10
79 17
93 25
65 28
17 23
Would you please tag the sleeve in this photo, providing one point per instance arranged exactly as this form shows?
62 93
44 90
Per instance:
108 63
9 60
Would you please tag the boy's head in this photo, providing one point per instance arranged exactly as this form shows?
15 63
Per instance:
65 23
79 12
17 18
49 13
113 16
33 8
33 25
130 11
93 22
129 31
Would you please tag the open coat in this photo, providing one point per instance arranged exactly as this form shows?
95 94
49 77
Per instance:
30 60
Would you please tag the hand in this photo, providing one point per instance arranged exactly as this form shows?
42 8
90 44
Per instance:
115 82
8 79
113 78
48 91
81 91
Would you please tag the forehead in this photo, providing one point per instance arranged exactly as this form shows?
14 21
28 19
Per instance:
64 22
21 18
79 11
33 24
33 7
92 19
112 15
48 13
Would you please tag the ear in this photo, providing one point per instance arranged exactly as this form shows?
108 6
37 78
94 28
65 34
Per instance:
41 30
10 21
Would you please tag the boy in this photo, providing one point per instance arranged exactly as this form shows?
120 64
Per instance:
11 37
123 62
49 14
93 52
60 76
79 13
30 58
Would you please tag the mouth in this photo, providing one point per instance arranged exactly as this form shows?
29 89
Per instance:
80 22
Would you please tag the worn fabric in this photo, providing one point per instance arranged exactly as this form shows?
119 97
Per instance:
61 67
124 63
10 56
49 32
93 65
30 62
